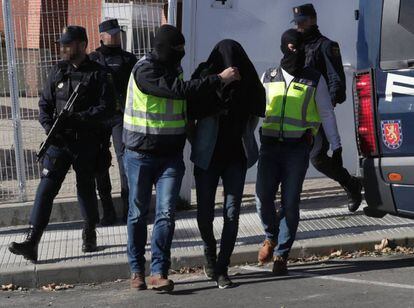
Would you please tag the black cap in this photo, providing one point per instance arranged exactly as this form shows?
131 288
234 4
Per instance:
73 33
110 26
303 12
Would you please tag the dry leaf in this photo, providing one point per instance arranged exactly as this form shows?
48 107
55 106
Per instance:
337 253
55 287
9 287
384 243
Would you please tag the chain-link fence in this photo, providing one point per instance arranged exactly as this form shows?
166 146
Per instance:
36 25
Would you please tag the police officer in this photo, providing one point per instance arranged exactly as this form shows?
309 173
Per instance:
77 143
154 136
298 102
324 55
119 63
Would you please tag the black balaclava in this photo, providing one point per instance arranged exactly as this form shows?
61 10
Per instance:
292 61
311 34
166 38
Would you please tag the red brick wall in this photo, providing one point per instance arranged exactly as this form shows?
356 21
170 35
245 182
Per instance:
88 15
53 19
164 18
20 10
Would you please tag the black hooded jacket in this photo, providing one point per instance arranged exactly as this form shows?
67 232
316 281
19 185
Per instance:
234 102
156 78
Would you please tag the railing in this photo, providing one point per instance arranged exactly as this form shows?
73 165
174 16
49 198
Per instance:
29 29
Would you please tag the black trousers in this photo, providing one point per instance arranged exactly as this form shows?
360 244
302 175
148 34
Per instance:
56 164
325 164
103 180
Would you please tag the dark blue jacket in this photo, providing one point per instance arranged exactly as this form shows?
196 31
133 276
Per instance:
324 55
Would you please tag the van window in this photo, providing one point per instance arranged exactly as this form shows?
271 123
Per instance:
397 34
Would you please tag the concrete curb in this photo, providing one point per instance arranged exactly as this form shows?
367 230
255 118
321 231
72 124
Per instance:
17 214
67 209
64 210
113 269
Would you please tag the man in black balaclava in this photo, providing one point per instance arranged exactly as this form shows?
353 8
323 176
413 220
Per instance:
286 141
169 46
292 47
119 63
154 136
324 55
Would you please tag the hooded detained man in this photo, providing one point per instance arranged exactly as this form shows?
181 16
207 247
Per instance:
298 102
224 147
154 136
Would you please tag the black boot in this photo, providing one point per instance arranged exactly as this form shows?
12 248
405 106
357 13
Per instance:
89 238
28 248
109 215
354 192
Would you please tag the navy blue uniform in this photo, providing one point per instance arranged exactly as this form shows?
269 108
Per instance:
324 55
77 144
119 63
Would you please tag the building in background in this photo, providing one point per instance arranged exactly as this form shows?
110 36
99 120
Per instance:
37 25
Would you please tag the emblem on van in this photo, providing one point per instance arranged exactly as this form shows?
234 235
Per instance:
398 84
392 135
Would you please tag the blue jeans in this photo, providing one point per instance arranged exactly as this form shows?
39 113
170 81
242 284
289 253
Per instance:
233 175
282 164
166 173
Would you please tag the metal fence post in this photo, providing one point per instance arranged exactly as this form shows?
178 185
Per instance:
14 97
172 11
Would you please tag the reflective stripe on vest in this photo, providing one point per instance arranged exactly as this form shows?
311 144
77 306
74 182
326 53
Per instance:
299 113
149 114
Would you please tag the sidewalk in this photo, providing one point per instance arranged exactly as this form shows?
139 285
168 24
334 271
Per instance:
326 225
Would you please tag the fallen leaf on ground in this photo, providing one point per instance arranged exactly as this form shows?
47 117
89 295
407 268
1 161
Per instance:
337 253
9 287
384 244
55 287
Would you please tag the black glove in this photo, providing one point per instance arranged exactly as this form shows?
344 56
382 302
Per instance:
58 139
75 116
337 157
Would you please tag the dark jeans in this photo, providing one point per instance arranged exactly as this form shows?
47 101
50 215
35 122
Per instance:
233 175
143 172
325 164
103 180
56 164
283 164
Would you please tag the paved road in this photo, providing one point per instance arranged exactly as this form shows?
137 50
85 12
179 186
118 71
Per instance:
363 282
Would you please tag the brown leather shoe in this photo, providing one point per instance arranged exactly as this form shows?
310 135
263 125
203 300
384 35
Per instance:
280 266
160 283
138 281
266 252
